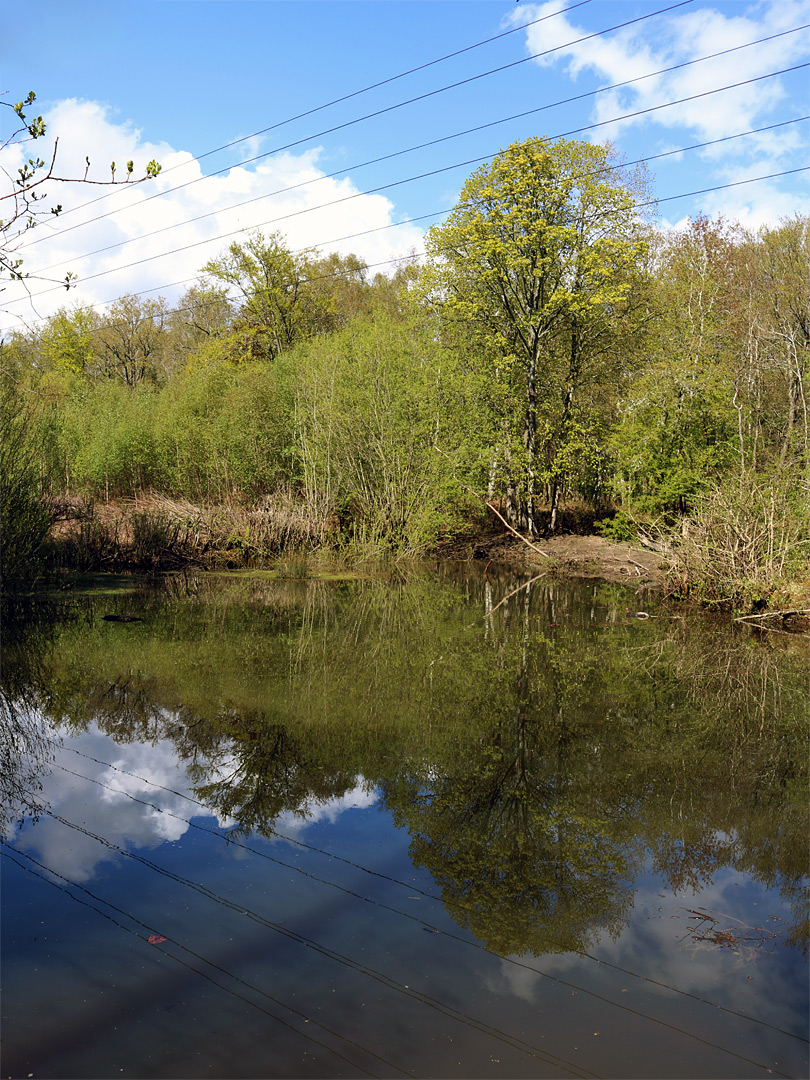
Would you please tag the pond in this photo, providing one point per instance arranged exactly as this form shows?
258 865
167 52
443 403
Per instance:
450 825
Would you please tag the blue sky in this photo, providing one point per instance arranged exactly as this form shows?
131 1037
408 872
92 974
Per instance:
179 78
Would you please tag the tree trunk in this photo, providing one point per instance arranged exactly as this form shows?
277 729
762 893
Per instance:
530 433
555 500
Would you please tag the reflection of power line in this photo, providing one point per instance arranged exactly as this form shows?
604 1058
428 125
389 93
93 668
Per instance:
226 837
345 961
408 915
5 850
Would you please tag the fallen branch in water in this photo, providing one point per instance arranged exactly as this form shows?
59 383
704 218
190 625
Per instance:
774 614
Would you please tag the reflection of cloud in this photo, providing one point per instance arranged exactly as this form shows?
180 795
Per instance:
658 954
359 798
158 780
662 948
105 803
513 981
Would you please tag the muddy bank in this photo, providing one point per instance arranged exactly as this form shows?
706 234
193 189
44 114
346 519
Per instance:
574 556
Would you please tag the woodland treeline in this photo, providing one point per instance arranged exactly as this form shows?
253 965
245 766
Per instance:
554 346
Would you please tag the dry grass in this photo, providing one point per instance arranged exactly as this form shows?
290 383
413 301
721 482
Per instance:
747 546
156 533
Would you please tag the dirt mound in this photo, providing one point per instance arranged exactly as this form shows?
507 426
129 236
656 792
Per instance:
575 556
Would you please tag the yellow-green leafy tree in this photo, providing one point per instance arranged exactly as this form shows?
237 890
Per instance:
538 269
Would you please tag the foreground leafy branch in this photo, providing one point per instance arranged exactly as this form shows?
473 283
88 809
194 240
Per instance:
21 203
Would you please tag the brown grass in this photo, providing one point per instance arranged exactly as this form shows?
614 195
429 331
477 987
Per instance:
156 533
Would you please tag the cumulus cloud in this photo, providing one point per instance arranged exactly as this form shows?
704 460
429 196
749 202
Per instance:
152 235
677 39
137 796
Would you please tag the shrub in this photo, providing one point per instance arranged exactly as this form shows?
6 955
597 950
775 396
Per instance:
25 515
621 527
747 543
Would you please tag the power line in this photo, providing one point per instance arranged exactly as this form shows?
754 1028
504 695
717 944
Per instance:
435 172
381 112
346 97
325 951
431 142
421 254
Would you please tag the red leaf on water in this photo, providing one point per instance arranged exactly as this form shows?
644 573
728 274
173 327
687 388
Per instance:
155 939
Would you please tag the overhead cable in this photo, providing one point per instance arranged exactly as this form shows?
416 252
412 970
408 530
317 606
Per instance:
378 112
348 97
420 176
425 145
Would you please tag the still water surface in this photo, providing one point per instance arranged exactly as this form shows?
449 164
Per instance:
442 827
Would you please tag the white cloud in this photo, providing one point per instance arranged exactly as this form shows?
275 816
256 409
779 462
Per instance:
678 38
280 192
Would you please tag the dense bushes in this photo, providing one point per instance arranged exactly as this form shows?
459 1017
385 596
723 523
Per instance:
375 423
213 433
382 415
25 515
747 544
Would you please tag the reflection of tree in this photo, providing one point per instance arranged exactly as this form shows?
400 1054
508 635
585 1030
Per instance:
268 772
741 726
26 737
521 867
536 749
526 851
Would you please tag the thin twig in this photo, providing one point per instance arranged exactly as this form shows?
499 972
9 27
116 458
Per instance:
774 614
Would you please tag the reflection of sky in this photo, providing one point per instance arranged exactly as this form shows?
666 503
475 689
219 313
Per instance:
658 967
359 798
150 773
653 999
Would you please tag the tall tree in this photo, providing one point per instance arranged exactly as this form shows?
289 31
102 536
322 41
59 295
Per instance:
200 320
284 296
266 278
68 339
538 263
770 311
130 340
677 425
